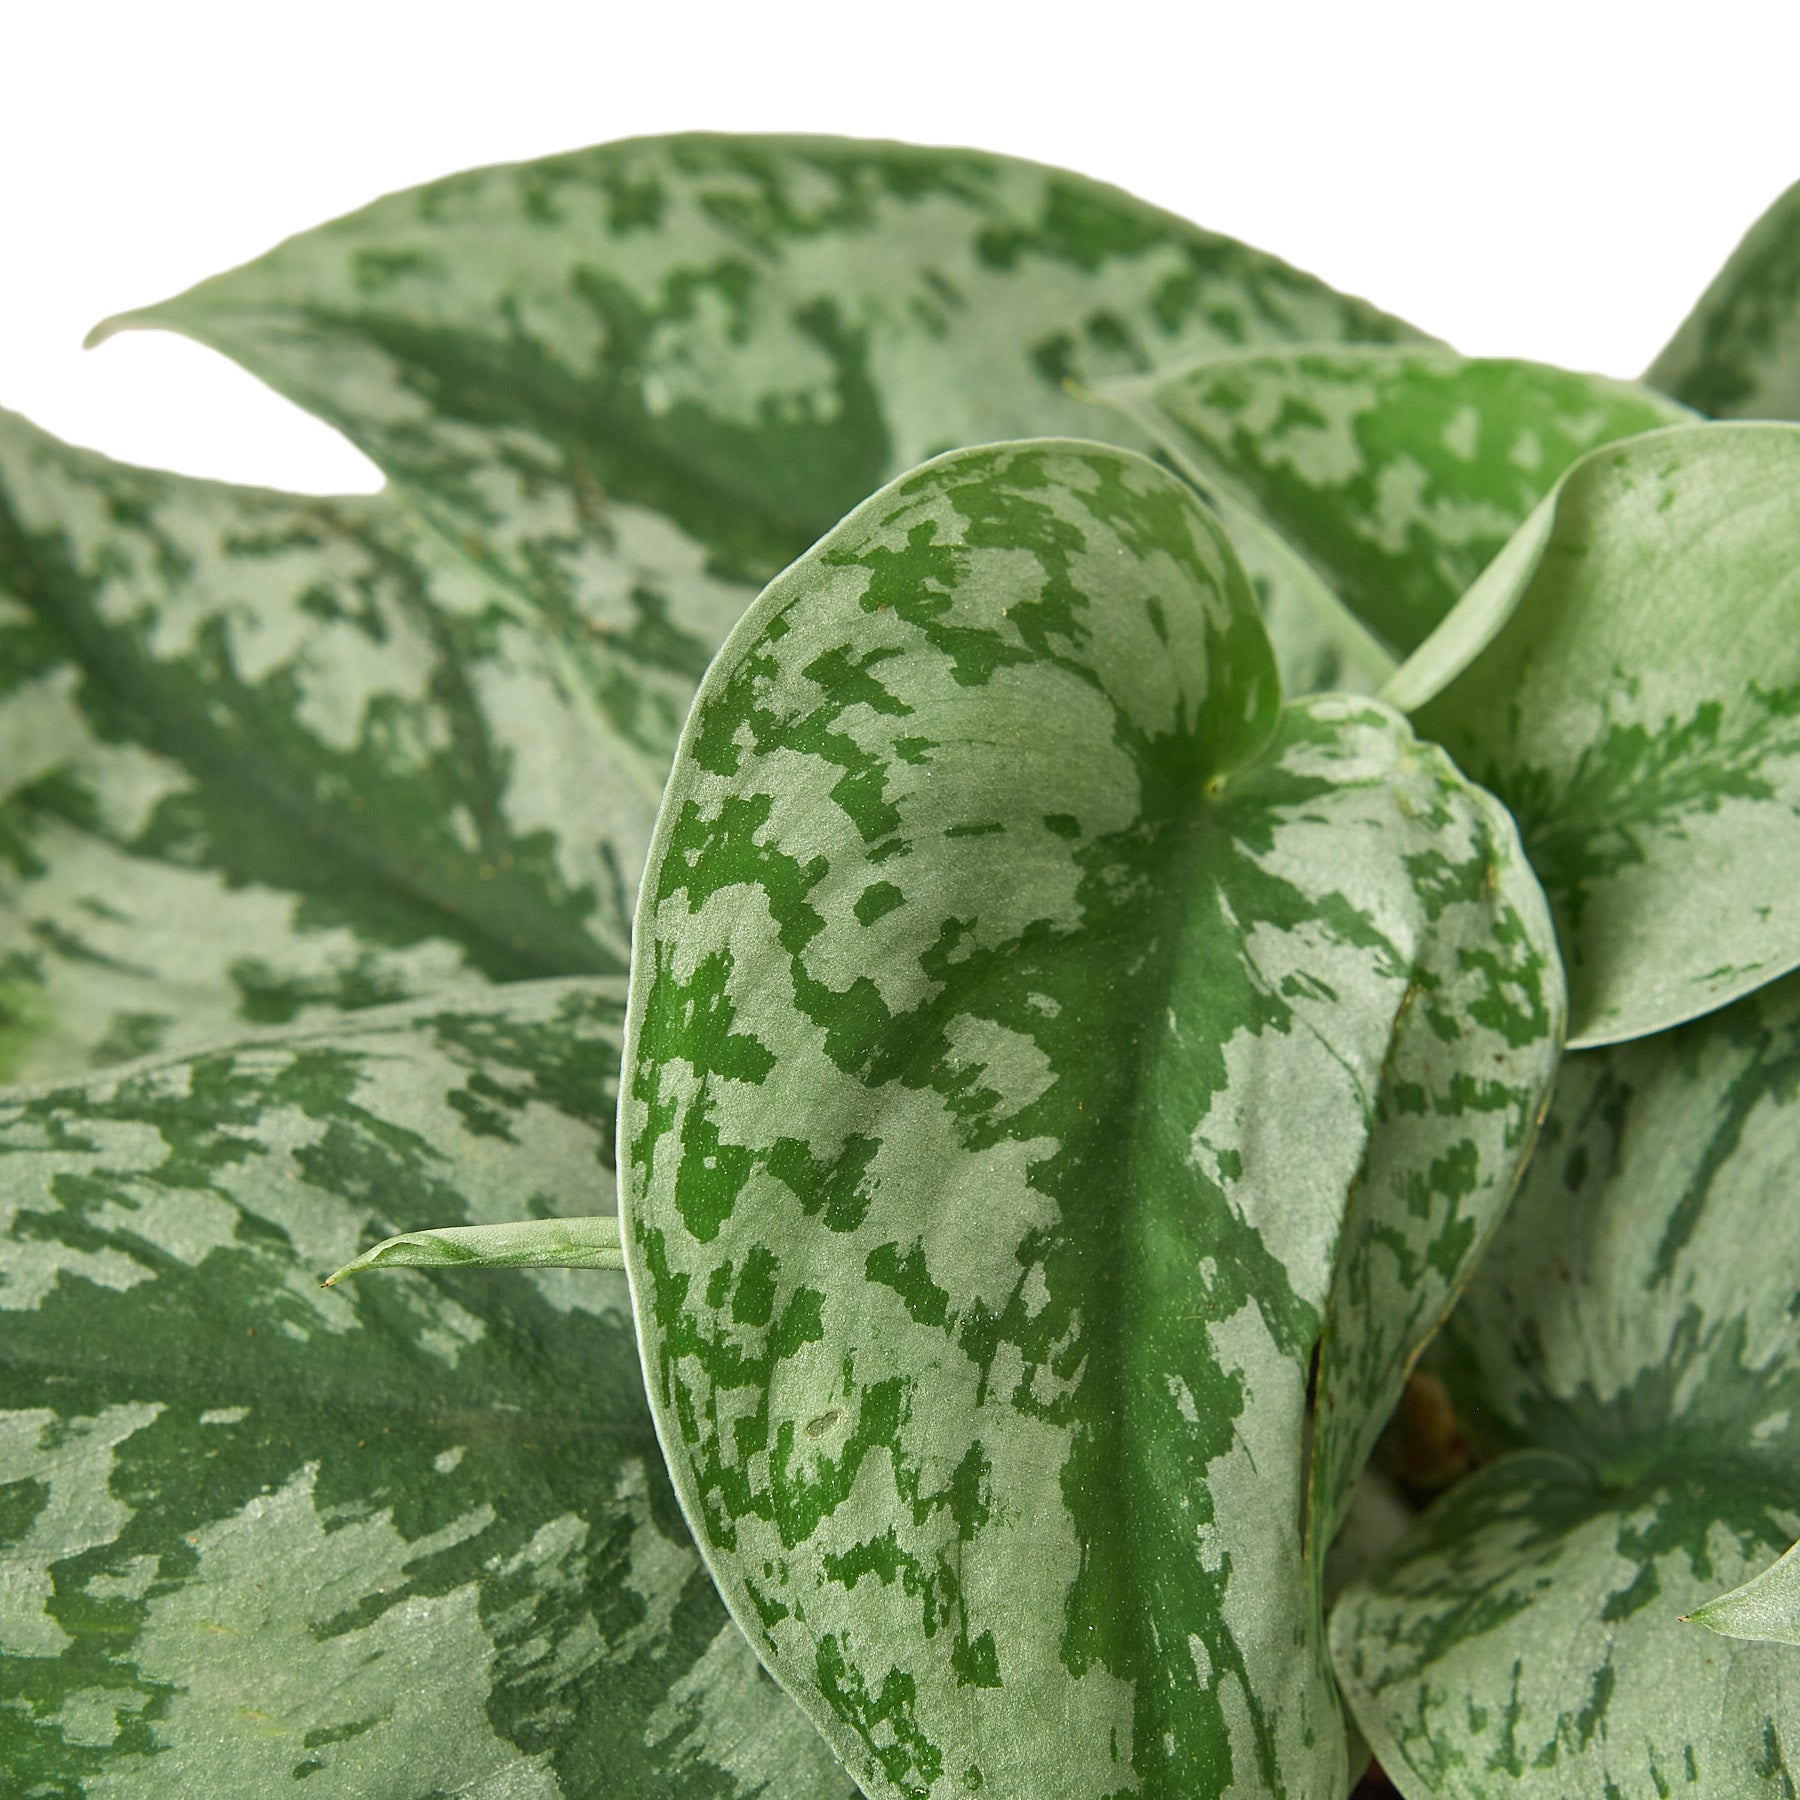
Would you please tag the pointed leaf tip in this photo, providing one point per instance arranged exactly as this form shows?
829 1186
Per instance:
1765 1610
581 1243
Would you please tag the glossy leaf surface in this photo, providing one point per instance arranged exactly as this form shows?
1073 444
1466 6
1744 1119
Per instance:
1626 677
636 381
1630 1338
1737 354
1397 473
406 1538
264 757
1040 1043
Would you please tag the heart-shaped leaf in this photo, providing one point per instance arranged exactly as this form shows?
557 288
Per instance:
636 381
1632 1326
406 1538
1626 677
262 756
1737 354
1397 472
1040 1044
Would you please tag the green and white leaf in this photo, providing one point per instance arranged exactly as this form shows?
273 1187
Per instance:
1630 1336
1040 1044
1737 354
1626 677
264 758
406 1538
636 381
1766 1609
1397 472
1320 646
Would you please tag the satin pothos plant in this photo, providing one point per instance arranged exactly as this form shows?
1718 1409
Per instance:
1118 854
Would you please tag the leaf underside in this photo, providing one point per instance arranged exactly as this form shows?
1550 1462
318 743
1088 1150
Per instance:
1006 1128
1628 1345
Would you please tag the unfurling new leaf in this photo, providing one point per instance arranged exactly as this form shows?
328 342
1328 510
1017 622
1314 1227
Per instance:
589 1242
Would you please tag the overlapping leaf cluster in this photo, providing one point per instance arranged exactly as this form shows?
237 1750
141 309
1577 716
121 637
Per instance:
1048 793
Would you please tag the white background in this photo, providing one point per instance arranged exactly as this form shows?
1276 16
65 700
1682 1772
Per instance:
1547 180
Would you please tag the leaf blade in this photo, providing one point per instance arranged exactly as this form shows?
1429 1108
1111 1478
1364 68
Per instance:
1443 1655
1737 354
1624 678
1766 1609
1627 1347
415 1536
583 1242
636 381
1399 471
270 756
905 993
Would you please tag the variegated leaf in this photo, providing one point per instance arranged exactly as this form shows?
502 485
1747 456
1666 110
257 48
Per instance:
1632 1333
1737 354
1320 645
1040 1045
405 1539
636 381
263 756
1626 677
1397 472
